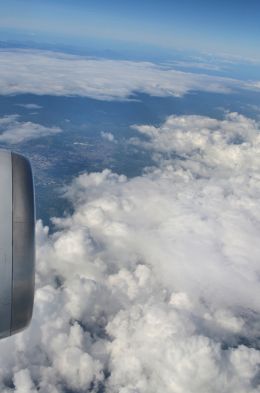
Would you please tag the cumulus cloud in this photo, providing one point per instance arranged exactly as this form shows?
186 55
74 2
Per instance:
13 131
152 284
62 74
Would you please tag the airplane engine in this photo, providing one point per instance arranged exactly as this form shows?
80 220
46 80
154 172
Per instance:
17 243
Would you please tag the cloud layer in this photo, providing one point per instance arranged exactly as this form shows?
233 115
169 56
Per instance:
13 131
59 74
152 284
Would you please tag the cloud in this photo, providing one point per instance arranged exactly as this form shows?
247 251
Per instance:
152 284
108 136
30 106
13 131
194 63
254 85
61 74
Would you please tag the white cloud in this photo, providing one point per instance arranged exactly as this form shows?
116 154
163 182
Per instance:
62 74
108 136
13 131
152 284
254 85
202 64
30 106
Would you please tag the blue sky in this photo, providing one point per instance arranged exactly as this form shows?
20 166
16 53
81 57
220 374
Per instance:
211 26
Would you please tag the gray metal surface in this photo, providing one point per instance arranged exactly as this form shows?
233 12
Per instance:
23 243
5 242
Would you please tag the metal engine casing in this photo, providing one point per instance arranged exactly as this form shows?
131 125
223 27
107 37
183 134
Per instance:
17 243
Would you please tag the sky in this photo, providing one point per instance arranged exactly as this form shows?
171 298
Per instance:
230 27
149 281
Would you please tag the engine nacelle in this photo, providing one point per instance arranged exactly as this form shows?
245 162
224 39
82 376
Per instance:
17 243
